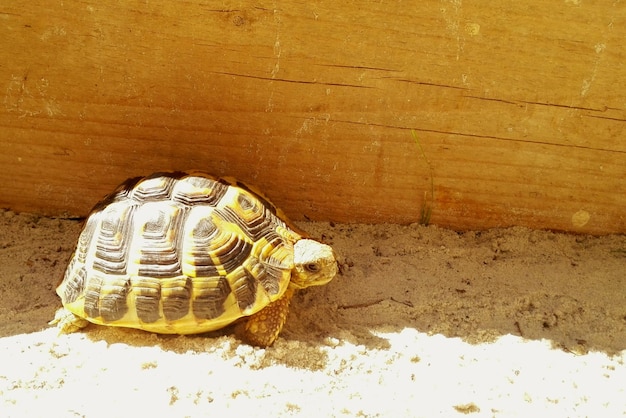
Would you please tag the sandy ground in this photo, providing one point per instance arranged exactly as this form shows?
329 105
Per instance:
423 322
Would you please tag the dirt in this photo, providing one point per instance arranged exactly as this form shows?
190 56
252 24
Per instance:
422 322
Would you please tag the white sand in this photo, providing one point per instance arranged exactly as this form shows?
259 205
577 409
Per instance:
423 322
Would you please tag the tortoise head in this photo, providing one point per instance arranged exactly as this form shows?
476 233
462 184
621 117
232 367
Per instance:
314 264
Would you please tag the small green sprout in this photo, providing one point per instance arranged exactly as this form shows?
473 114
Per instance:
427 204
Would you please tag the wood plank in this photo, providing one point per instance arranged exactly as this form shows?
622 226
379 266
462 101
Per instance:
519 108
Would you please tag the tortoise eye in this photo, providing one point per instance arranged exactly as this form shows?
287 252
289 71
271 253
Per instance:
312 268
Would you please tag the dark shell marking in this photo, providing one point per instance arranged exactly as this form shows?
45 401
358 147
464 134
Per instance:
180 253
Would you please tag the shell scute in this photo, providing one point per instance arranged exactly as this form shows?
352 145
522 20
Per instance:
175 297
209 297
158 240
194 190
112 239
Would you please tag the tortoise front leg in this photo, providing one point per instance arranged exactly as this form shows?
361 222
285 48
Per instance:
263 327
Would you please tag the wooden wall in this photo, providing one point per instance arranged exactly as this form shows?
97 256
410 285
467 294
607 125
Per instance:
518 107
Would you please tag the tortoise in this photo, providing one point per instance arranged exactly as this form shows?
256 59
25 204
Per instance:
188 253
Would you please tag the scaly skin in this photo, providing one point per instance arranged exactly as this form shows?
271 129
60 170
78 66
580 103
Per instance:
263 327
67 322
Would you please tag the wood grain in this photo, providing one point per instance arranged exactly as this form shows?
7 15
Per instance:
519 108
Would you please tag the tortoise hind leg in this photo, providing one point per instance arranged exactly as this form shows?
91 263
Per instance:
67 322
263 327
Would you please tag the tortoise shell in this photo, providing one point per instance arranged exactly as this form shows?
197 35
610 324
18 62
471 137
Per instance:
179 253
